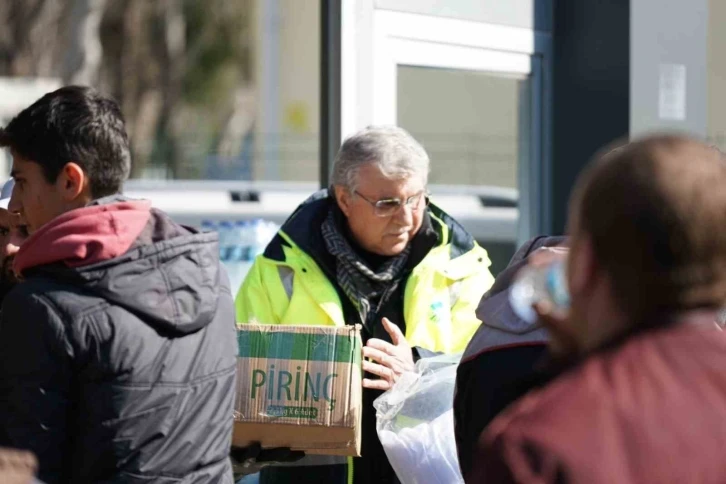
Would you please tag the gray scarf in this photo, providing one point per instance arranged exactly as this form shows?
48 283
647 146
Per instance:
362 286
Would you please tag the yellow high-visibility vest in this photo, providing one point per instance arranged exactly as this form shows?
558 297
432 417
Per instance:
440 298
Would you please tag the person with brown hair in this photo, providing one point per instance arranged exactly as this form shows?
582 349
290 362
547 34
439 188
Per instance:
644 396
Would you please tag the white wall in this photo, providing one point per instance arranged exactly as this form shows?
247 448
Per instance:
717 72
662 33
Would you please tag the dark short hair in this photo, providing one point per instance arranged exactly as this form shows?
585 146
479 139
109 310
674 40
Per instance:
73 124
655 212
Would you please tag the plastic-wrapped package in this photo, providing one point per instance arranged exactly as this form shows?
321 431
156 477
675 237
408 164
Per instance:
415 423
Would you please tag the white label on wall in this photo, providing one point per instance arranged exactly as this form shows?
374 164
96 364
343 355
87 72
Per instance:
672 92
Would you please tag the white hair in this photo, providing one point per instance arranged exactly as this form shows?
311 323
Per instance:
392 149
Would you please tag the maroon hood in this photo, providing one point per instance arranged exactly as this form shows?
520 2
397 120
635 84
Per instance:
85 236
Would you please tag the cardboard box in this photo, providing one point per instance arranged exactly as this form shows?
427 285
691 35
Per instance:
299 387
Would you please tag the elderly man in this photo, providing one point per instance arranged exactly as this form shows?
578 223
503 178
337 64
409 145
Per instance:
401 267
644 397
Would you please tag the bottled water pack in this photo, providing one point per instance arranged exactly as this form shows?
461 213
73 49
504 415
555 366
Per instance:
240 243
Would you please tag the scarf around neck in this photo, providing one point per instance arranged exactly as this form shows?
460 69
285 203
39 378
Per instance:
367 289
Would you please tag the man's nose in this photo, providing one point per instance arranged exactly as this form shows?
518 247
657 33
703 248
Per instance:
9 249
404 215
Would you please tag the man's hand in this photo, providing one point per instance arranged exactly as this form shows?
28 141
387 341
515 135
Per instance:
392 359
17 466
547 255
251 459
563 339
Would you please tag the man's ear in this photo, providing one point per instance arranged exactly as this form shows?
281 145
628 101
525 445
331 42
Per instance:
583 266
72 182
342 196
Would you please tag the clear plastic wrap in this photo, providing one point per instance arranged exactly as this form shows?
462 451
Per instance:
415 423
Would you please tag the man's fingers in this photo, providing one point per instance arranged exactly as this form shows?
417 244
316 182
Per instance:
562 332
379 370
18 458
548 319
393 331
280 454
381 345
376 354
547 255
244 453
376 384
17 461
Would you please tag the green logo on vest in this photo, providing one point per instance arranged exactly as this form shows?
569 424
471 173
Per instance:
437 310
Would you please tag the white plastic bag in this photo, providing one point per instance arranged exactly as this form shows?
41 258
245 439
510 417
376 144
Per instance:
415 423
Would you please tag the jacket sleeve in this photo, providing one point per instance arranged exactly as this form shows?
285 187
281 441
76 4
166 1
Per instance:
254 301
35 382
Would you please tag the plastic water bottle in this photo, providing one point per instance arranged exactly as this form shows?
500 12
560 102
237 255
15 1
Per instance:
225 230
539 284
241 240
236 263
257 242
208 226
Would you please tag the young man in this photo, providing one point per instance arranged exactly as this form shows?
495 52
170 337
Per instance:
644 399
117 351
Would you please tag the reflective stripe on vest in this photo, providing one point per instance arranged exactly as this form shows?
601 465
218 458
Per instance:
286 277
454 291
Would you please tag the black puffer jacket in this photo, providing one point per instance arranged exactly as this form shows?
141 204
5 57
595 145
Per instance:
123 371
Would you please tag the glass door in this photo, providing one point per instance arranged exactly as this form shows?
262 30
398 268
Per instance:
469 122
474 95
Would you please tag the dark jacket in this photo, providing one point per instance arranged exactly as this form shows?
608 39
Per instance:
304 229
118 366
499 364
650 409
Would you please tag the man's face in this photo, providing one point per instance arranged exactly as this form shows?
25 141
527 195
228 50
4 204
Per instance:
384 235
585 282
37 201
10 240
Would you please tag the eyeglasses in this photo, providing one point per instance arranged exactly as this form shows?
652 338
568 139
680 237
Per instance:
387 207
